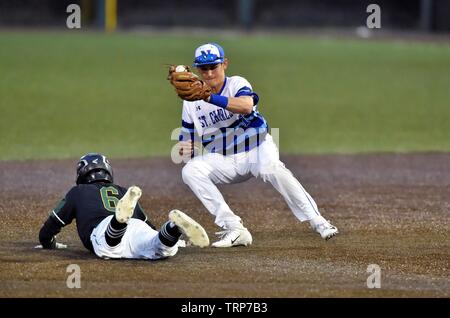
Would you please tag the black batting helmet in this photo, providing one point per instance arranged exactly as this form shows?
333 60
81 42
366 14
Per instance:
94 167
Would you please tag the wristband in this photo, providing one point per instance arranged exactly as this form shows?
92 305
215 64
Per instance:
218 100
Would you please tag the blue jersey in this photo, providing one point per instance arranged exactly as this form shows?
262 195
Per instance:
220 130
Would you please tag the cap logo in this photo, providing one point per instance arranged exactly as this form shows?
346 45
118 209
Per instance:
208 54
205 55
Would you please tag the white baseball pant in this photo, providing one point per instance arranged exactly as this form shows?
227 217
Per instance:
140 241
202 173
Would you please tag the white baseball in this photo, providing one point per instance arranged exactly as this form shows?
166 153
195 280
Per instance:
180 68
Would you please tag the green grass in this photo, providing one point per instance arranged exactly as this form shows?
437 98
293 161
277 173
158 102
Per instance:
63 94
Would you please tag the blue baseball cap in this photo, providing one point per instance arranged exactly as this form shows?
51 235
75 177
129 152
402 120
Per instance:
207 54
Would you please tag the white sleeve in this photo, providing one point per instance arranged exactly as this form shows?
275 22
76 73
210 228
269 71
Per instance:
242 87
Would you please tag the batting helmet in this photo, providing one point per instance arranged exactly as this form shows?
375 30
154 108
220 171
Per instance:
94 167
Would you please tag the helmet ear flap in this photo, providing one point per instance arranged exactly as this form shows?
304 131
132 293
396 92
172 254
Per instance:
80 165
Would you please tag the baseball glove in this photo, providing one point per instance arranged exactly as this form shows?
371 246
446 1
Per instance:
188 85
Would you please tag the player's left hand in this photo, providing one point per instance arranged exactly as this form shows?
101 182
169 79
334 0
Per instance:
188 86
186 148
58 246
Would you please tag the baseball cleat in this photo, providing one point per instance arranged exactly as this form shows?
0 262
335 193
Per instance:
237 237
125 206
193 231
326 230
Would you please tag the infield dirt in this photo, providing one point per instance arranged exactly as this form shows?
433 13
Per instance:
391 209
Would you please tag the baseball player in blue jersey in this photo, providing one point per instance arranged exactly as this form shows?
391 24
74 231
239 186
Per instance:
221 112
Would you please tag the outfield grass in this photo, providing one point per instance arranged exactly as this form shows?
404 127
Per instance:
64 94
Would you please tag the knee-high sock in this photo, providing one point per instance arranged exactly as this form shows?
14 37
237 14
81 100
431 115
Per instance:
169 234
114 232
